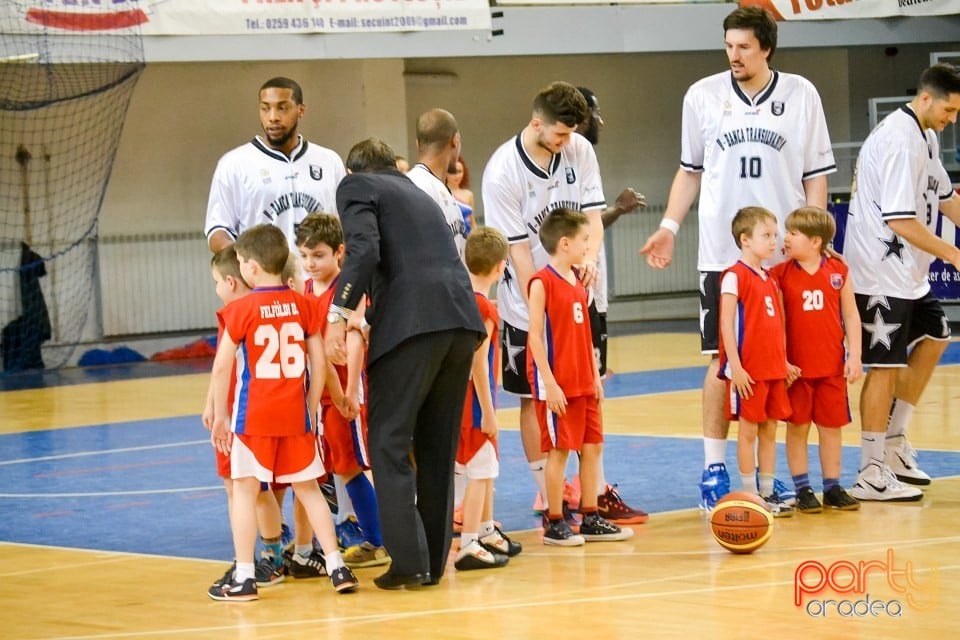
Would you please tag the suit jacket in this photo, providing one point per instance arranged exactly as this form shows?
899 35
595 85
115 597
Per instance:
400 251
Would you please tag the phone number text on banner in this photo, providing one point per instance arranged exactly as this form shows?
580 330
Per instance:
235 17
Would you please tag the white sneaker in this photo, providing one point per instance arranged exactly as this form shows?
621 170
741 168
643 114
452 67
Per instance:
902 460
876 482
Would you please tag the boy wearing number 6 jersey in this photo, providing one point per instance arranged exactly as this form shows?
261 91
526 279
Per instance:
564 378
272 335
819 310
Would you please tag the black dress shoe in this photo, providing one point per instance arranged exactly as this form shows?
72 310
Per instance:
398 581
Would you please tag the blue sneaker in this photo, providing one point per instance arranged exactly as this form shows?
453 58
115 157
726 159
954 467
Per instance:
787 495
714 484
349 533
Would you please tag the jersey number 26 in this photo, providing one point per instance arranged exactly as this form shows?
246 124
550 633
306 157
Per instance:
283 351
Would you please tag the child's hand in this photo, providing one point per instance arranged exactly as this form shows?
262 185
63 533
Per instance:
853 370
556 401
598 388
220 436
742 382
793 372
207 417
489 426
348 407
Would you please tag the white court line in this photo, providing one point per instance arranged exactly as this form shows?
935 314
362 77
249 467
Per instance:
80 454
98 494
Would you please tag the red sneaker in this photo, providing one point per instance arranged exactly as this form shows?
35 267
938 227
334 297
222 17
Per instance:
611 507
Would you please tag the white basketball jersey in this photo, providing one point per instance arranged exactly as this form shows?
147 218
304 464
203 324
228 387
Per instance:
256 184
518 195
898 176
421 176
752 152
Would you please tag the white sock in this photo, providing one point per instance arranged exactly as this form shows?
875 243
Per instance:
766 484
466 539
459 484
333 561
538 469
899 418
344 506
486 528
601 477
749 482
871 448
303 550
244 571
714 451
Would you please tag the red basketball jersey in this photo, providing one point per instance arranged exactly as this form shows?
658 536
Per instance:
567 336
322 306
233 374
758 325
471 437
270 326
811 306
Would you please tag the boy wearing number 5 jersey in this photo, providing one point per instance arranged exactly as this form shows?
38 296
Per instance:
753 357
820 310
271 335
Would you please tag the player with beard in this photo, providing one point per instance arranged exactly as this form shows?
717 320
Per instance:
277 178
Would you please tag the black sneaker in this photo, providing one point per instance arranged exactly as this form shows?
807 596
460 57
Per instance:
559 533
267 572
343 580
498 542
807 501
596 529
300 567
838 498
227 577
777 506
235 591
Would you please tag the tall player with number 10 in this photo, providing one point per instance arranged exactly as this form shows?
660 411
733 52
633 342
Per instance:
751 136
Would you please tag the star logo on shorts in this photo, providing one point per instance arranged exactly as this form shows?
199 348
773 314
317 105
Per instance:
512 353
894 248
879 330
874 301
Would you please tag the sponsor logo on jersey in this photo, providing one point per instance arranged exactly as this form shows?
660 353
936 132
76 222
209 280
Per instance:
316 172
836 280
776 108
571 175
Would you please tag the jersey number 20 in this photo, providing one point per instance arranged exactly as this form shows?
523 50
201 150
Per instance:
283 353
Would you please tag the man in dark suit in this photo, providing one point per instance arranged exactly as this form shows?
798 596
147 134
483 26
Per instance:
425 327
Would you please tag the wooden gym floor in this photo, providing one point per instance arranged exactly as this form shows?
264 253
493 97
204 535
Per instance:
63 578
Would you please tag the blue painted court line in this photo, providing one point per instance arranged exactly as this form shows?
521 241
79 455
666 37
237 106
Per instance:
151 487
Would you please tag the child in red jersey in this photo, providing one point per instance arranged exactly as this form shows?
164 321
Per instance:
753 357
820 311
342 405
271 335
482 544
564 377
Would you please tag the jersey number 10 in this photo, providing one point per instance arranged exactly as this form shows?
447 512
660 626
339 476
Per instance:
750 167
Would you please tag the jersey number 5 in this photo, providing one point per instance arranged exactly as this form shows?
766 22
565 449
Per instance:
283 352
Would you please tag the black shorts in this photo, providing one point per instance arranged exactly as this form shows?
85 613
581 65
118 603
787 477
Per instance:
598 334
709 312
890 326
513 360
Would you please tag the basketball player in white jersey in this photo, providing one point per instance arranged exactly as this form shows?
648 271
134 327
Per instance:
438 147
890 242
277 178
751 136
547 165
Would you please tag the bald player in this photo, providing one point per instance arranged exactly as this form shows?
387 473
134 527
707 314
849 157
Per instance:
751 136
438 147
277 178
